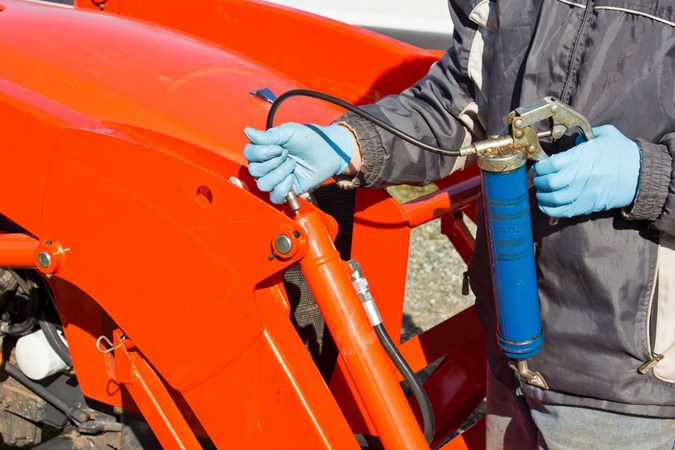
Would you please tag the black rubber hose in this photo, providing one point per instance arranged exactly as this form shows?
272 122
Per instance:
428 420
72 412
349 107
51 333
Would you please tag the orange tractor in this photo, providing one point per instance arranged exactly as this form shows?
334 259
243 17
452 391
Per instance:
151 296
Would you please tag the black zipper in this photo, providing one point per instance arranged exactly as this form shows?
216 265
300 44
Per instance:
564 97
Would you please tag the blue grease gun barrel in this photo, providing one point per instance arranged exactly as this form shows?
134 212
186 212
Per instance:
507 212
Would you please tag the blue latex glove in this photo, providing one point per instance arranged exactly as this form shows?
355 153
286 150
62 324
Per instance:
597 175
296 156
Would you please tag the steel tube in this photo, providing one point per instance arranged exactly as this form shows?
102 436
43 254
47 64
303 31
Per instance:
432 206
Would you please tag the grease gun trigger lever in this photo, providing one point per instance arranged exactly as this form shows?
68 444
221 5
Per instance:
561 116
524 137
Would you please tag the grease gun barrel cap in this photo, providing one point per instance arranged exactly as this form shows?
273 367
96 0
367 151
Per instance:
504 160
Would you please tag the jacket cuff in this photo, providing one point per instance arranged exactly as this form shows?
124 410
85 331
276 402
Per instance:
372 152
653 185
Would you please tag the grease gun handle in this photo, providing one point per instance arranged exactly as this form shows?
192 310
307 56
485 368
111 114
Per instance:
561 117
566 117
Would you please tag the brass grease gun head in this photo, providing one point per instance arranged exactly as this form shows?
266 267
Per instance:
524 137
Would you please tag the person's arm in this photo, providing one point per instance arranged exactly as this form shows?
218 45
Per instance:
443 109
655 199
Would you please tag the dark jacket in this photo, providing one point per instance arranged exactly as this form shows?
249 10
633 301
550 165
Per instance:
606 280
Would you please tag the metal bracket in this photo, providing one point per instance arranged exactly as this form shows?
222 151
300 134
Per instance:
264 94
150 395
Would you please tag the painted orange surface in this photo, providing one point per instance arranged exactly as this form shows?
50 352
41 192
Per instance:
124 131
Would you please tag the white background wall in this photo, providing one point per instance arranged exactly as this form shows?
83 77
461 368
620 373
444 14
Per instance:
425 23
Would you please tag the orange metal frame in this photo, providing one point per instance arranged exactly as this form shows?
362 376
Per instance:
124 135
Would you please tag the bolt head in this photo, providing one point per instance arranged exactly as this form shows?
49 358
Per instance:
519 123
44 259
283 244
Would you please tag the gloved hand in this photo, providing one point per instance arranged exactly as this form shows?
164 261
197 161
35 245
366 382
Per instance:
597 175
296 156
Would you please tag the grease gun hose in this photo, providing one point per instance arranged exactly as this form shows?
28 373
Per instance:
354 109
428 421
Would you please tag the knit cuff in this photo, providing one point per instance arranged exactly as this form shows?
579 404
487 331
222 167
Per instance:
653 183
372 153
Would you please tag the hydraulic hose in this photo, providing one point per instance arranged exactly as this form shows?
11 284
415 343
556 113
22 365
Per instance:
349 107
428 420
368 302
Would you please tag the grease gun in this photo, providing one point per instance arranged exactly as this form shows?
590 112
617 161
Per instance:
501 160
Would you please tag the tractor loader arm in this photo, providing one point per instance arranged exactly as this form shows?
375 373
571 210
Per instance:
135 244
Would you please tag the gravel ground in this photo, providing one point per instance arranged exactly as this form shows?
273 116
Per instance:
434 281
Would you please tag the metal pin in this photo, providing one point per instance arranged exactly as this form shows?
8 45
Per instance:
283 244
292 200
107 342
44 259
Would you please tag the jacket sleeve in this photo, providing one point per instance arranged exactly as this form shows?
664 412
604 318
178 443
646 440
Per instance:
443 109
655 200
